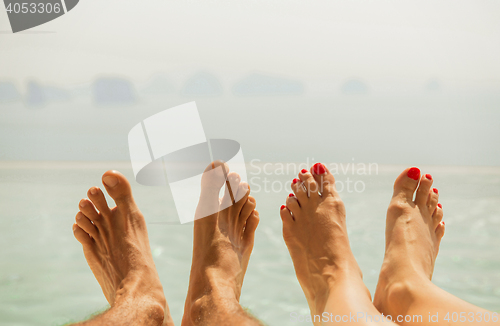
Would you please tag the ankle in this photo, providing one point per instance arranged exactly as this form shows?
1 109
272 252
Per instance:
396 295
209 306
152 310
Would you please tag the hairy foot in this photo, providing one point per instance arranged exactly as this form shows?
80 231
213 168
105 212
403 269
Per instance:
116 246
222 246
413 233
314 229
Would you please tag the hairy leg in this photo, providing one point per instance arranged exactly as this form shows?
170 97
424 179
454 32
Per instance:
222 244
116 246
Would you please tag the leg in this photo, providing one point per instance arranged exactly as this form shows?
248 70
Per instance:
413 234
222 246
116 246
314 229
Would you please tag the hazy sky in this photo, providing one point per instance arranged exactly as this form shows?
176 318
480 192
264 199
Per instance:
394 47
381 41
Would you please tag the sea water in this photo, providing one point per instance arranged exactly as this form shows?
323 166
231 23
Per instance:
44 279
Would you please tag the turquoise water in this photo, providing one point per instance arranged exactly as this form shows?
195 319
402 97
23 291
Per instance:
44 278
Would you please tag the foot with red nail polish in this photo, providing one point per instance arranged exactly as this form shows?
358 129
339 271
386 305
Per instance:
314 229
414 230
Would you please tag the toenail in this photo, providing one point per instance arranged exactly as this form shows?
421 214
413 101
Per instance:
440 206
294 181
435 190
303 171
428 176
413 173
291 195
74 227
110 181
83 203
319 168
78 217
283 207
93 191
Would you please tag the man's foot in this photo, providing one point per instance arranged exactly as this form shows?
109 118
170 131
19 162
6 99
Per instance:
222 246
413 233
314 229
116 246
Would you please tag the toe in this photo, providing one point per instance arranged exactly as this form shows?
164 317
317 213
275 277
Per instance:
406 183
310 185
286 216
246 211
215 175
88 209
432 200
324 179
241 195
250 227
231 190
299 190
423 190
438 214
293 205
82 236
86 225
440 231
96 195
119 189
212 181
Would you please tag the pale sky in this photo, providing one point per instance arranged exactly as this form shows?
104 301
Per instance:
454 41
394 47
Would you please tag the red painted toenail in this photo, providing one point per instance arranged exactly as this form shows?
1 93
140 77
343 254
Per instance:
435 190
413 173
440 206
294 181
319 168
428 176
291 195
304 171
283 207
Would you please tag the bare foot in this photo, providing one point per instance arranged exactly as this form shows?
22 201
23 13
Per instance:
314 229
222 246
413 233
116 246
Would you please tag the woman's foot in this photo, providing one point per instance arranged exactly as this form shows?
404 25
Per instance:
116 246
222 246
314 229
413 234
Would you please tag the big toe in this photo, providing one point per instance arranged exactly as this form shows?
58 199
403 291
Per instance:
324 178
118 188
214 176
212 180
406 183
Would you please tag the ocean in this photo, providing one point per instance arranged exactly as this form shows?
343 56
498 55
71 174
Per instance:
44 279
